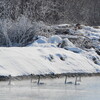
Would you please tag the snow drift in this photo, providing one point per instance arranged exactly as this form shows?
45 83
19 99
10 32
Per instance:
39 60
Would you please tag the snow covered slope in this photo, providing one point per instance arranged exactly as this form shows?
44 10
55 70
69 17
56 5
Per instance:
43 60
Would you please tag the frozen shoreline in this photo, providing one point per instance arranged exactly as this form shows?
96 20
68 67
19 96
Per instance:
53 55
40 61
48 76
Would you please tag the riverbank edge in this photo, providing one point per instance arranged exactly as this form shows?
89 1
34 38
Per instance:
48 76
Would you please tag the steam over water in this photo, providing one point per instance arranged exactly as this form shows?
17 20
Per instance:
52 89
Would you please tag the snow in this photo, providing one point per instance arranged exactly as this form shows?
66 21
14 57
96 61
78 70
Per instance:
63 25
41 41
91 54
52 41
44 56
90 32
55 39
35 60
69 44
74 49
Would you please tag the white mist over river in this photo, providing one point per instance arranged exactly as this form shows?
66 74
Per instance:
52 89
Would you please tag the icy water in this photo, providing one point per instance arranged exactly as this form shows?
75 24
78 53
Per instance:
52 89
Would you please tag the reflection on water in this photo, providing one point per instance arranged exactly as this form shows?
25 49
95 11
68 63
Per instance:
53 89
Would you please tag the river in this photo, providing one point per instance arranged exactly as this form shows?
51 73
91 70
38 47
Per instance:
52 89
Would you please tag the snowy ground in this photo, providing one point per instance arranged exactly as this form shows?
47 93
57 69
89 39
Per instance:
43 60
44 57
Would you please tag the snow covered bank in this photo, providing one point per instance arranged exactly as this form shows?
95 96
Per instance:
73 52
43 60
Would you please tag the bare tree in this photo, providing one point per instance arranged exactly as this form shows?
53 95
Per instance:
53 11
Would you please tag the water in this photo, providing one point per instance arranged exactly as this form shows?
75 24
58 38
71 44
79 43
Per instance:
52 89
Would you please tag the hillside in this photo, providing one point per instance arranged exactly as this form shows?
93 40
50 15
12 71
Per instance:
33 39
78 51
45 60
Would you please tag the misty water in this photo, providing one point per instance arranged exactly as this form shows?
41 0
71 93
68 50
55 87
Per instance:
52 89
